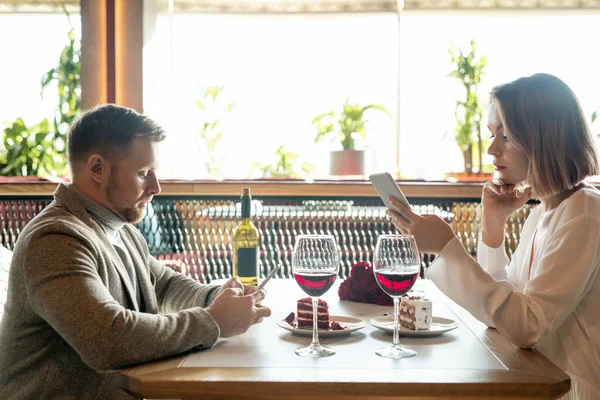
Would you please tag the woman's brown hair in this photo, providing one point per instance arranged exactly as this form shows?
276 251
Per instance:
545 121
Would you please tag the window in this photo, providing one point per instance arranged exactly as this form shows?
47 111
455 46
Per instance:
282 70
516 43
26 60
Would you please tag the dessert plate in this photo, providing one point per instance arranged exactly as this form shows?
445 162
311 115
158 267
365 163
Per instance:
439 326
351 324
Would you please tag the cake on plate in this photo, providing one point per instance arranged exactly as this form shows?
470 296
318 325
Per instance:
415 312
305 314
305 317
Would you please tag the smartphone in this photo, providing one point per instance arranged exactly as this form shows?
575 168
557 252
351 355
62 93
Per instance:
268 277
387 187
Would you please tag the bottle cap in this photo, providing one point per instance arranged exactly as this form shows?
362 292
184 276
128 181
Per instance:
246 191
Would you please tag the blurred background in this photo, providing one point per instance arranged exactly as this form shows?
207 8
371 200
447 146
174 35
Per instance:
275 89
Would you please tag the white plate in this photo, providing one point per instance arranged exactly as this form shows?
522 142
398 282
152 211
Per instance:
351 324
438 326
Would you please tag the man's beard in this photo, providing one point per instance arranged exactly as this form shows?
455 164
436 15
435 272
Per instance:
133 214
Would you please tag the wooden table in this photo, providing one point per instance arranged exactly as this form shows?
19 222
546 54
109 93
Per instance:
471 362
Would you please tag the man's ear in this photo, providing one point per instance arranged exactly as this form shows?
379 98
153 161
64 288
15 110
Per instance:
98 168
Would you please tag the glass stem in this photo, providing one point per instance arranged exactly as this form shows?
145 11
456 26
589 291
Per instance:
315 304
396 342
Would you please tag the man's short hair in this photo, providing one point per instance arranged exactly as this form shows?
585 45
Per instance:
544 119
109 130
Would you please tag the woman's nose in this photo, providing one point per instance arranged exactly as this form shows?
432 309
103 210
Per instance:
494 149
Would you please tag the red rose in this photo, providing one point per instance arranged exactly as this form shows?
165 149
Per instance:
344 290
383 299
361 286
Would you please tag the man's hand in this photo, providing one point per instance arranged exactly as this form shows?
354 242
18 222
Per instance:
431 233
235 312
235 283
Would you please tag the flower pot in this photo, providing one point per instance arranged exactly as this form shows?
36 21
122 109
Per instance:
347 162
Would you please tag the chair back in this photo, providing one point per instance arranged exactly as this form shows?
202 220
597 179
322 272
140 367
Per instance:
5 257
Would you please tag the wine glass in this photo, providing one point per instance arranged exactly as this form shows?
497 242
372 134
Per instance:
315 265
396 264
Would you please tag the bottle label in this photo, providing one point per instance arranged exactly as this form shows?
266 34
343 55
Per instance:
247 262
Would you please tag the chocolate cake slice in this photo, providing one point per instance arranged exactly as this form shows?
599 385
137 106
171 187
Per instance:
305 314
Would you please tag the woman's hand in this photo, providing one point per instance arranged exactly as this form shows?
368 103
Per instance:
430 231
500 200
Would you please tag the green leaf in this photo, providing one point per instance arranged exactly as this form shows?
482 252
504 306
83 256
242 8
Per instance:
353 112
5 171
323 130
379 107
319 117
40 137
46 79
44 126
230 107
213 91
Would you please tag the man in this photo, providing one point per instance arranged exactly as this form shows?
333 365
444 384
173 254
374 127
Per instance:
85 297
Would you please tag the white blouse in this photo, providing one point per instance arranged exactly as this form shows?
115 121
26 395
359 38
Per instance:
551 301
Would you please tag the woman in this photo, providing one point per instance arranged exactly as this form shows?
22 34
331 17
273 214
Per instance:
548 295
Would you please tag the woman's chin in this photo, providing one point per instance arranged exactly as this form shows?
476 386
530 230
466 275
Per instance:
508 179
502 176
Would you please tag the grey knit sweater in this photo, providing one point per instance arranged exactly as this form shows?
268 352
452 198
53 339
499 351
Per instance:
71 318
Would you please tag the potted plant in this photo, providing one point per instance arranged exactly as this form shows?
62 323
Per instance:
286 165
468 69
40 149
345 126
214 106
67 77
29 150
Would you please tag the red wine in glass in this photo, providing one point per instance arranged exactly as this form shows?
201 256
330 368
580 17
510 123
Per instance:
397 283
315 285
315 264
396 264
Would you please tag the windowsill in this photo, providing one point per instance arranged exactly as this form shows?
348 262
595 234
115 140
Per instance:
340 188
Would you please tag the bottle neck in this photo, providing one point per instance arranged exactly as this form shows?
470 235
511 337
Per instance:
246 201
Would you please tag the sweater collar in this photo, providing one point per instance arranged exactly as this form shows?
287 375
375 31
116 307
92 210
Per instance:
102 214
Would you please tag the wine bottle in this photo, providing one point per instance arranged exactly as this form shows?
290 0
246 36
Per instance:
245 245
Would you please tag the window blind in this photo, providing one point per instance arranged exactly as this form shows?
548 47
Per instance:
341 6
39 6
